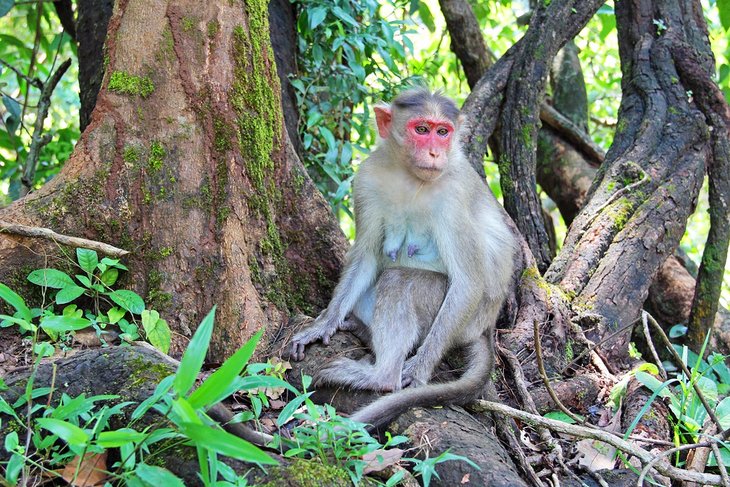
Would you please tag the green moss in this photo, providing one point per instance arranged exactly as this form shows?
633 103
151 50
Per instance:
156 298
130 155
188 24
305 473
527 135
144 371
156 156
165 252
128 84
674 111
620 211
166 53
610 186
213 27
569 352
506 182
223 134
621 126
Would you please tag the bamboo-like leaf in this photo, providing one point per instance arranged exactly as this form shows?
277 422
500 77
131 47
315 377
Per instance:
192 359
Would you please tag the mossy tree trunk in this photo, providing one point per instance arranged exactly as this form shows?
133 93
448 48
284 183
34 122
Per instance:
636 210
186 163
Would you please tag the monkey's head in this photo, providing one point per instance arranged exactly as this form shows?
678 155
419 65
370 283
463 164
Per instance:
421 127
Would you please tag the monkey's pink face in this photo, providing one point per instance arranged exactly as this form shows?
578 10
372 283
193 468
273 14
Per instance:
429 140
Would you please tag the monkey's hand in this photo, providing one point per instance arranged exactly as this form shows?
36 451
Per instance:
415 374
321 329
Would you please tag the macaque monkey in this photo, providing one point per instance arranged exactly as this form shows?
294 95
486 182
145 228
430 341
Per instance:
429 269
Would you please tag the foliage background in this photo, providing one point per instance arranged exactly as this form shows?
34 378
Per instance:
351 55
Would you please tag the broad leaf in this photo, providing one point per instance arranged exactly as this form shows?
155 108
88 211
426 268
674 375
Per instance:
156 329
52 278
58 324
116 314
88 259
128 300
68 294
109 276
14 300
6 6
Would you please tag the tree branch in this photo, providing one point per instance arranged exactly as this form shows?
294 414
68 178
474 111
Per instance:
662 465
48 234
39 139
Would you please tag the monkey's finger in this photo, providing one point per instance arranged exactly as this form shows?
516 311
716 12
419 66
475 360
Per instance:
297 351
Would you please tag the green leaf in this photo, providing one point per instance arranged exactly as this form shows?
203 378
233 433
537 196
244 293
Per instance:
52 278
156 476
14 300
23 324
14 467
70 433
192 359
723 412
83 280
217 386
225 443
6 6
68 294
11 104
59 324
109 276
156 329
11 441
426 16
88 259
128 300
117 438
559 416
115 314
316 17
724 7
288 411
113 263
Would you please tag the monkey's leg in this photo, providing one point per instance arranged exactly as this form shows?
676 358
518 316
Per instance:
394 331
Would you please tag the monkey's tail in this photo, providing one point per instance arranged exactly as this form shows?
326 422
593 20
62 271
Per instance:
461 391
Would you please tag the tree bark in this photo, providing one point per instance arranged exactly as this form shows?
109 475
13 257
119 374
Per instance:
185 164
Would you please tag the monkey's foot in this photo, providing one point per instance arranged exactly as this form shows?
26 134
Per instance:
318 331
414 374
356 374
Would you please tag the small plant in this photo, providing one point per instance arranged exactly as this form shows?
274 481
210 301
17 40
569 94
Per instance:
712 377
94 282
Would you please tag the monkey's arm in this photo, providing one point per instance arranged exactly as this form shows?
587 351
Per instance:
361 271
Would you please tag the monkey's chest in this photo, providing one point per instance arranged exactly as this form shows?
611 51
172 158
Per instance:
406 244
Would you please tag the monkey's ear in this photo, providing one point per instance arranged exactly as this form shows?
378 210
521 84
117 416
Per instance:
384 118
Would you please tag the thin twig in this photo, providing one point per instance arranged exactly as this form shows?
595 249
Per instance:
667 453
720 465
597 345
31 81
687 373
551 445
650 343
48 234
545 380
662 466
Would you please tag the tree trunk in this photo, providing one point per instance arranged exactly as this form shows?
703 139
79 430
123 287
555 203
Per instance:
185 164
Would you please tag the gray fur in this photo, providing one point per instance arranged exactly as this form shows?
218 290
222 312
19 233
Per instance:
453 229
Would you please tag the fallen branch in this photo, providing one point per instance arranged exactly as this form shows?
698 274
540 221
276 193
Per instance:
48 234
662 465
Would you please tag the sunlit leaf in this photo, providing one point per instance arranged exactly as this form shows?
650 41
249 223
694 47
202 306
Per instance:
52 278
192 359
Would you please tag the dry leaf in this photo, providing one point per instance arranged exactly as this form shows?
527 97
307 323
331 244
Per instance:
465 478
277 404
595 455
91 472
381 459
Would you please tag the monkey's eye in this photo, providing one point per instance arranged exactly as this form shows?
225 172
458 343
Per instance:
442 132
421 129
